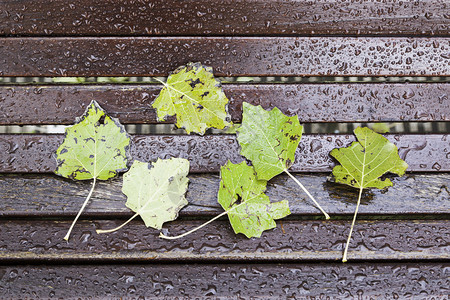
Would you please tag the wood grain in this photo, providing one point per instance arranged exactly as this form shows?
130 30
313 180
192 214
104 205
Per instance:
289 241
336 280
41 195
35 152
59 104
240 56
203 17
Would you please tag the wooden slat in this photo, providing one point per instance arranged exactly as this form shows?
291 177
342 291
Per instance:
35 152
257 56
290 240
163 17
42 195
59 104
268 281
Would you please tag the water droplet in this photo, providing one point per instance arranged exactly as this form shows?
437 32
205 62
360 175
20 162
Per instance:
428 15
408 94
211 290
316 145
437 167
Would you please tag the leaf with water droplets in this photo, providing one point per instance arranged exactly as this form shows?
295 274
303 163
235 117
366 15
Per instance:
196 97
269 139
156 191
242 196
96 147
363 163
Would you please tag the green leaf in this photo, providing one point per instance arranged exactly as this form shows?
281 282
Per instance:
362 164
242 196
364 161
269 139
196 97
97 146
155 191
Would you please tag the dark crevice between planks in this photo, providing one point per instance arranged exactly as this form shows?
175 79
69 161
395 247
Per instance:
7 81
308 128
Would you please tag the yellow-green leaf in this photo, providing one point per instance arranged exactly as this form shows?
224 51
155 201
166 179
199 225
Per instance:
269 139
196 97
364 161
97 146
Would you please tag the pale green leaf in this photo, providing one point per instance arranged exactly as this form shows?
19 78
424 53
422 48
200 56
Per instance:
156 191
196 97
242 196
269 139
364 161
97 146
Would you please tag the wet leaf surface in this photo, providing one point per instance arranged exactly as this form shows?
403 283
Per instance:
196 97
156 191
365 161
97 146
242 195
269 139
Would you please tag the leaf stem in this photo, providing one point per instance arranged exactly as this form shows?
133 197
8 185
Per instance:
81 210
344 258
306 191
165 84
161 235
99 231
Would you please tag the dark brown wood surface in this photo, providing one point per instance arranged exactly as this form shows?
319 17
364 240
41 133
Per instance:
60 104
35 152
287 281
42 195
399 248
203 17
289 241
240 56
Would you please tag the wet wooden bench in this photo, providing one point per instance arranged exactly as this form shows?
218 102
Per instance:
400 245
